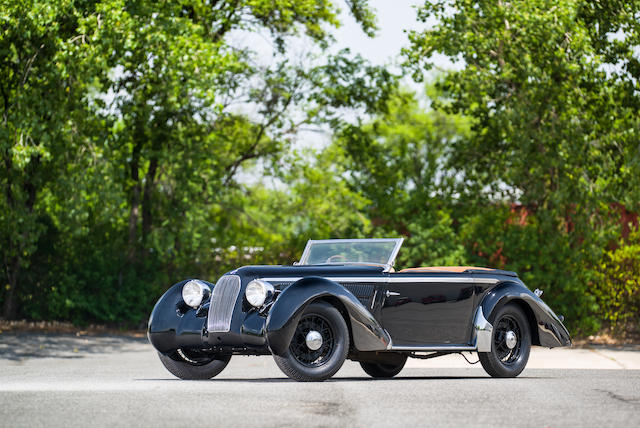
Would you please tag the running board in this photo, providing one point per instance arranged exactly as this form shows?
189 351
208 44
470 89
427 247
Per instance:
435 348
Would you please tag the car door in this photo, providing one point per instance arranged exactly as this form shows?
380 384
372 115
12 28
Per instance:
432 309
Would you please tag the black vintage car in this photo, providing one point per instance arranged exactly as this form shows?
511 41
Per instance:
344 300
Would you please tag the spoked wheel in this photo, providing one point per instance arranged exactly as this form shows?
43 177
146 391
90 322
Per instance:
313 342
319 345
384 370
192 365
511 343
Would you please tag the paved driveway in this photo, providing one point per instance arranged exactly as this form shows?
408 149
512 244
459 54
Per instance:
106 381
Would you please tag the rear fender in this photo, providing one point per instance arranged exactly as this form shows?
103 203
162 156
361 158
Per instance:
368 334
546 328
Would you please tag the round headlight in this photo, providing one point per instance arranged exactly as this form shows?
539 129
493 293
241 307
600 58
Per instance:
258 292
194 291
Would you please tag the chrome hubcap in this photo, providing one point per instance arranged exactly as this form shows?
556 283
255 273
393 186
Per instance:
313 340
510 339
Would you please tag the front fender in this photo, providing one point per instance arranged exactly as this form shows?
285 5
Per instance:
172 324
548 330
283 317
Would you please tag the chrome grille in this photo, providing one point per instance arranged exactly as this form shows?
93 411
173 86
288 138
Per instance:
223 301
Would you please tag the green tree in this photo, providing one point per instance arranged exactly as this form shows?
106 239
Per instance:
398 162
37 134
617 287
547 85
146 114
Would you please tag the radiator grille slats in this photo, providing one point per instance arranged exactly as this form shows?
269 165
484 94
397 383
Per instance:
223 302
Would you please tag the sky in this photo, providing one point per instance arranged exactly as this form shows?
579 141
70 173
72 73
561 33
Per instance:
395 19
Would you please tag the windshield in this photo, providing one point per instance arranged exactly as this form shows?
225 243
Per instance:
375 251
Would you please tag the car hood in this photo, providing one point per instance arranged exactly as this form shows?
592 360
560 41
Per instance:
307 270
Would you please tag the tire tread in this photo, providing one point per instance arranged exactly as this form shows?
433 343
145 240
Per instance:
186 371
376 370
293 370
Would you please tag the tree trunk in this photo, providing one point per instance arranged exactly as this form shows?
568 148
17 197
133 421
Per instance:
9 308
135 201
149 186
133 221
16 246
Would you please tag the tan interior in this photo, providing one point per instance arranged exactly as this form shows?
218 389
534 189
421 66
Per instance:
444 269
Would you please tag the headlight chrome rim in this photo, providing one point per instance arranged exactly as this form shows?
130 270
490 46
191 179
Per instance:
259 292
194 292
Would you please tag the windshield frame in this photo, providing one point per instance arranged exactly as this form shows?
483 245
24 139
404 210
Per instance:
387 266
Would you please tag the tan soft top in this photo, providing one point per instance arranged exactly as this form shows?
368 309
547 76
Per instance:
444 269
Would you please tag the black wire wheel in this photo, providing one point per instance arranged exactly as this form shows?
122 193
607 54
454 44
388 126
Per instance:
194 365
308 325
319 345
510 343
384 370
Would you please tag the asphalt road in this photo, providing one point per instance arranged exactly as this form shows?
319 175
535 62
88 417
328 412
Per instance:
107 381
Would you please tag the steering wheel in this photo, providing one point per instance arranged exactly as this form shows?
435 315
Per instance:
336 258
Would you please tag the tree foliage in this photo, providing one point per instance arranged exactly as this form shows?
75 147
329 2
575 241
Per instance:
398 162
126 125
551 89
145 142
617 285
37 130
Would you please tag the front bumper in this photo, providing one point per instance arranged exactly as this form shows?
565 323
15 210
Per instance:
173 325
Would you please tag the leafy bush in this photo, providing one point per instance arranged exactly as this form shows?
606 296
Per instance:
617 284
541 252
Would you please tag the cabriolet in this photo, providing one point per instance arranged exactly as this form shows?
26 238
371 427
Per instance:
344 300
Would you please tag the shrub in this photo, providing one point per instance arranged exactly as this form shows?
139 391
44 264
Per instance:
617 285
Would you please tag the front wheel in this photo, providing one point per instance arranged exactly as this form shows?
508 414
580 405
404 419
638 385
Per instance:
510 344
319 345
191 366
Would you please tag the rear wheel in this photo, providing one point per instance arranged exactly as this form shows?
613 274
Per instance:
510 344
190 365
380 370
319 345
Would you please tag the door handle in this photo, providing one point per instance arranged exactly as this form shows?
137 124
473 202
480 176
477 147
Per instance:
391 293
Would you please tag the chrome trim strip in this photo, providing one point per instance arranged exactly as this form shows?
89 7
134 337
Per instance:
337 279
392 279
392 259
482 332
431 279
373 299
433 348
486 280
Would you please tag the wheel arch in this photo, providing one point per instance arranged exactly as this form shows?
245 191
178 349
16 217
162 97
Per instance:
365 333
531 319
546 328
337 303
